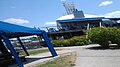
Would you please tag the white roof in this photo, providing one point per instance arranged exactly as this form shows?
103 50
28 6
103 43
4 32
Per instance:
71 16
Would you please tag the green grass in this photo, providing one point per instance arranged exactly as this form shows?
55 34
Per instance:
38 51
34 52
67 61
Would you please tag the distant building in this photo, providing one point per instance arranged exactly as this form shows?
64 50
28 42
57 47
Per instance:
84 23
75 22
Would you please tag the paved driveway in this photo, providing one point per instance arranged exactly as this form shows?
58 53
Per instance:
91 57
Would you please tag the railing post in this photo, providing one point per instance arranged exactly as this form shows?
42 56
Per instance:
12 50
23 46
49 44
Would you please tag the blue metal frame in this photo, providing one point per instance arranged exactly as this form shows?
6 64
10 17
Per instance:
24 48
8 30
49 44
3 48
12 50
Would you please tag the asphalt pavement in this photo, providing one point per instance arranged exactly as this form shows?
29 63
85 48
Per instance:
93 56
86 56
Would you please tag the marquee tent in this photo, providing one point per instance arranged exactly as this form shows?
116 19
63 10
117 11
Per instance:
8 30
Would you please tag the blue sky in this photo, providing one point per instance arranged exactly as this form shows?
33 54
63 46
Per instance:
40 13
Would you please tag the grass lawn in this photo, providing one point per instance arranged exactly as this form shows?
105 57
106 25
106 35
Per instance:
66 61
34 52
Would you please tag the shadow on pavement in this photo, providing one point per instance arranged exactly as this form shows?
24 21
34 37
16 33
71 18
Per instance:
112 47
29 60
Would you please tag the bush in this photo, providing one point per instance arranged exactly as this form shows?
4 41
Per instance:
74 41
104 35
99 36
78 41
56 43
60 43
114 34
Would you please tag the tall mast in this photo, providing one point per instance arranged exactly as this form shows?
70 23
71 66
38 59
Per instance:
69 7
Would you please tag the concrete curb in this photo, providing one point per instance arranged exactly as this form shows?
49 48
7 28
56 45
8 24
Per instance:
46 60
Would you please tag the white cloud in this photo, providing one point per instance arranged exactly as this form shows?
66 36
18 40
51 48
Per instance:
50 23
63 0
105 3
13 7
115 14
16 21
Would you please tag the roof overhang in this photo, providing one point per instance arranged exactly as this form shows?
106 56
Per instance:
86 19
12 30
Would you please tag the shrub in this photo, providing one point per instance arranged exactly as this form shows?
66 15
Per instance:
99 36
114 34
77 41
56 43
74 41
104 35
